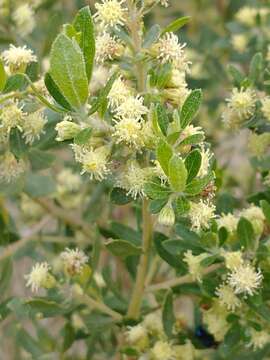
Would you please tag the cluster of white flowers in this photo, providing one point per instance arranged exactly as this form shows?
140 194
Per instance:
215 320
239 42
133 179
94 161
245 279
200 214
17 58
110 13
24 20
74 261
253 213
33 126
108 47
40 277
258 339
10 167
194 264
247 15
241 106
170 50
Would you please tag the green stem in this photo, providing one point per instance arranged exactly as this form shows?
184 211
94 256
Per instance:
180 280
137 295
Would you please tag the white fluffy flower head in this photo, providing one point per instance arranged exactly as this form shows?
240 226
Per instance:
259 338
110 13
194 264
162 350
201 214
233 259
24 19
38 276
119 92
227 297
11 116
133 179
107 48
74 260
94 162
242 102
229 221
129 131
132 108
245 279
10 167
136 333
170 50
33 126
18 56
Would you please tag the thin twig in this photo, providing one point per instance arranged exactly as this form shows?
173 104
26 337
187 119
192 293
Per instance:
92 303
63 215
13 248
180 280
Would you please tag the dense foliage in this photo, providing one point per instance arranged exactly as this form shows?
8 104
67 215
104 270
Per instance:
134 180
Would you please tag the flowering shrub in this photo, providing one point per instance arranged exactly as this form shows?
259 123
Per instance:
113 196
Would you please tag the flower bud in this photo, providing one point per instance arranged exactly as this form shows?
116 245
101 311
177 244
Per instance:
176 96
66 130
166 216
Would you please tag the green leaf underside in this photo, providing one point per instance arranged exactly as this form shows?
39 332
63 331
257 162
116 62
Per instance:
83 23
68 70
176 24
177 174
190 107
245 233
55 92
123 248
193 163
164 154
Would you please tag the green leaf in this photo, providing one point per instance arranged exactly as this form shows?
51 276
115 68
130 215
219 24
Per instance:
5 275
3 76
83 23
151 36
176 24
163 75
123 248
181 206
237 76
196 186
119 196
18 146
126 233
55 92
155 191
164 154
255 67
172 259
266 209
168 318
193 163
101 103
190 107
162 118
29 344
69 336
15 82
155 206
46 307
40 159
245 233
177 174
193 139
39 185
68 70
83 136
